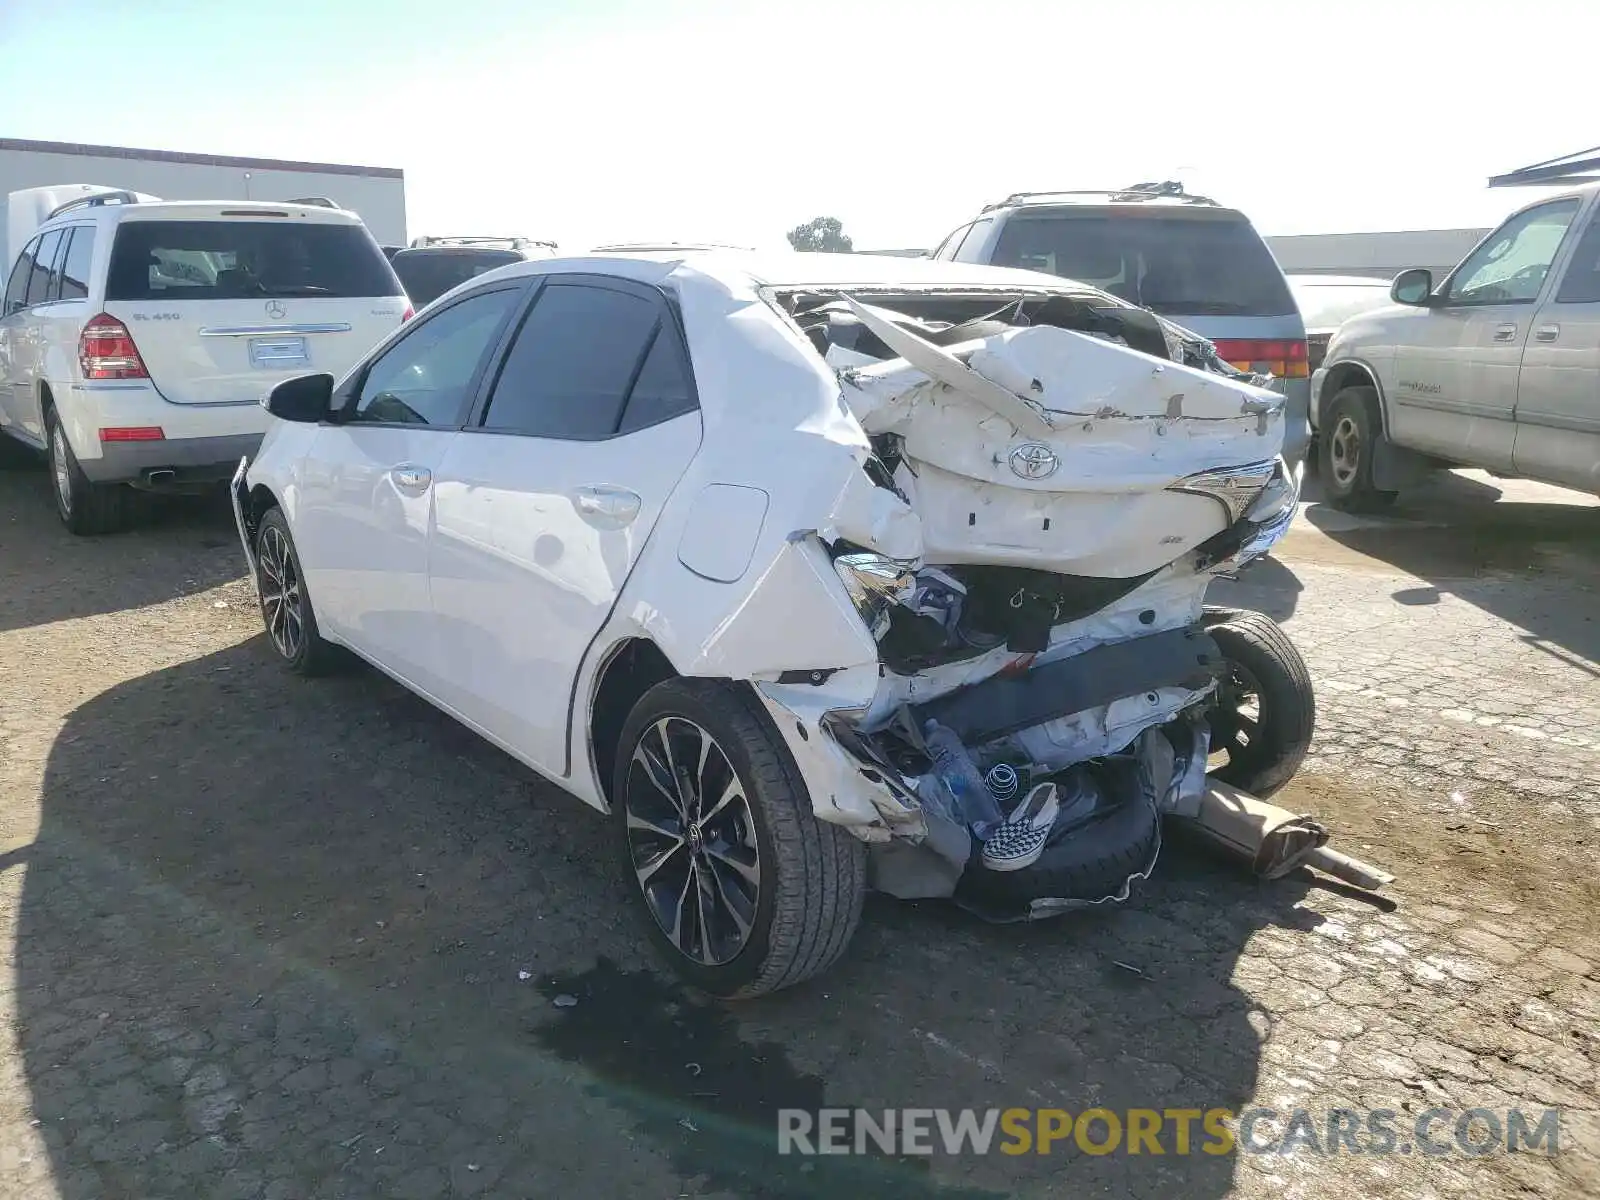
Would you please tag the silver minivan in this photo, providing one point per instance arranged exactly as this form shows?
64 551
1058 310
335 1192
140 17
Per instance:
1188 258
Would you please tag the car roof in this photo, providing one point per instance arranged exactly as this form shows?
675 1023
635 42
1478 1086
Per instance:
793 270
179 210
1158 206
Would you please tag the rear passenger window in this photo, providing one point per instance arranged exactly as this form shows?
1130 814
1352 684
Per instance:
976 232
39 289
17 286
75 266
575 360
1581 284
662 390
423 378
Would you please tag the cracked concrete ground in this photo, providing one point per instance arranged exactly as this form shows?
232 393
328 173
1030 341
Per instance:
275 938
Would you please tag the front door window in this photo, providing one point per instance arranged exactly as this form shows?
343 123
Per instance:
1510 267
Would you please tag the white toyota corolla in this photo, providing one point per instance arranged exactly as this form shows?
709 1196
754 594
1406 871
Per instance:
815 571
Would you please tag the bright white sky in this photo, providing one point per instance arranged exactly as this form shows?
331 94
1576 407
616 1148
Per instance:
734 120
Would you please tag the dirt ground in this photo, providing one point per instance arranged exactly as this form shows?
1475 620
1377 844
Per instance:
278 938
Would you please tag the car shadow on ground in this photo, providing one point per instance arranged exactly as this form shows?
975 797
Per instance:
311 938
53 576
1465 539
1266 585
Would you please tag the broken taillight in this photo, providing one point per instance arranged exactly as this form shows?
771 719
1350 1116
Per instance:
1285 359
106 350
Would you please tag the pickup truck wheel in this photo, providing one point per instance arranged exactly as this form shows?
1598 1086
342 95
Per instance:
741 888
285 607
1265 708
84 507
1345 449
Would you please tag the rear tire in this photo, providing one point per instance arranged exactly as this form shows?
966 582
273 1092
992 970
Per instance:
1265 710
285 605
85 508
1345 448
736 827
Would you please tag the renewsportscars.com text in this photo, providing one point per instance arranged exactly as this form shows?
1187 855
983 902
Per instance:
1174 1131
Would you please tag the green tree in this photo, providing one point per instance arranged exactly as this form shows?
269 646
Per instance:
821 235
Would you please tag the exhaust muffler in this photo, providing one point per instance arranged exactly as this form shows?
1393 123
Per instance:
1273 840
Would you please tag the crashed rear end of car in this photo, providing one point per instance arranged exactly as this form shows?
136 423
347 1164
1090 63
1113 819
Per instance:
1053 480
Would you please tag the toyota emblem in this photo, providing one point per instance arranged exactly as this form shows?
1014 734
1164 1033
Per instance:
1034 460
276 310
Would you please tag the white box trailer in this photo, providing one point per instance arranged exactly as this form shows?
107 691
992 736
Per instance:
378 194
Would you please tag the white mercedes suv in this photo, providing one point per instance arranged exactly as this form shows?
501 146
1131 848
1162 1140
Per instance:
138 337
813 570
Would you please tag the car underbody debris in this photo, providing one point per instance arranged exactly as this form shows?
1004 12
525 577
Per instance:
1073 476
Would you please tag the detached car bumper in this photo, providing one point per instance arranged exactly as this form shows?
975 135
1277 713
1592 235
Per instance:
239 494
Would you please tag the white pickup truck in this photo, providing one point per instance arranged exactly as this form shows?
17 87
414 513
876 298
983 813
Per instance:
1498 367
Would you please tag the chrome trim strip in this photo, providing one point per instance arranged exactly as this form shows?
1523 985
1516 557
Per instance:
269 330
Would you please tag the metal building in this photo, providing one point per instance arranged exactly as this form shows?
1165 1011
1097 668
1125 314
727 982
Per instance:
1383 255
378 194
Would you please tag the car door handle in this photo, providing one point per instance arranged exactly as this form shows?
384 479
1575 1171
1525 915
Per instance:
1547 333
607 506
410 478
1505 333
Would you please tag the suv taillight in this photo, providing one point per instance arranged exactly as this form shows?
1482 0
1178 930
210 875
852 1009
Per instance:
106 350
1286 360
408 314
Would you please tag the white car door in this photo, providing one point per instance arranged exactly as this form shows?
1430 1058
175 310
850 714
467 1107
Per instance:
544 502
15 381
365 506
1558 392
1455 374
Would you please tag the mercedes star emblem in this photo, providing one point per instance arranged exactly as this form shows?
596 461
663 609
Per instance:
1034 460
276 310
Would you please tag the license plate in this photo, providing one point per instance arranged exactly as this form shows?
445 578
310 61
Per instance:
276 353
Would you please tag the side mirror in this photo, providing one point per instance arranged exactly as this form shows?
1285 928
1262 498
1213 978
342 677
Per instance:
1413 287
305 398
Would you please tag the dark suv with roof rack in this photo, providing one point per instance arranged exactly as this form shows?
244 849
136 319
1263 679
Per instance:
1193 261
432 266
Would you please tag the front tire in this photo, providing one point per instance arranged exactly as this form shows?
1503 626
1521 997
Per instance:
85 508
741 888
1345 449
285 607
1265 709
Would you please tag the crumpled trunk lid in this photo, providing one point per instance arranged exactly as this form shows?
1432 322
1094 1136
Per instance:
1048 448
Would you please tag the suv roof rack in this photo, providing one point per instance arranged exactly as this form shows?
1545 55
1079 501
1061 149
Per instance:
1170 189
98 200
503 243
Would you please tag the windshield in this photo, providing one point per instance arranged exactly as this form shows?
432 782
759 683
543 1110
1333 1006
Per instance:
429 274
1176 265
230 260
